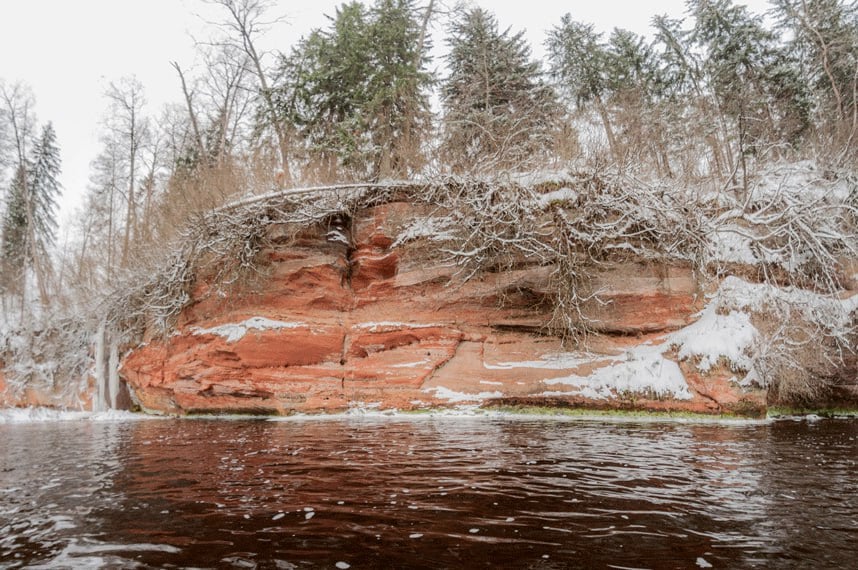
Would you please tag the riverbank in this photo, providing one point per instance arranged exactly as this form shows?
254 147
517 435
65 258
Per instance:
49 415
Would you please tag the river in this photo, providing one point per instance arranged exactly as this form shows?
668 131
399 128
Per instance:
428 492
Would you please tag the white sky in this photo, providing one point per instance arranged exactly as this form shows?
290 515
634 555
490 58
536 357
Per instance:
69 50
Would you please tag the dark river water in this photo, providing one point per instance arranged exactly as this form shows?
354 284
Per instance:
442 492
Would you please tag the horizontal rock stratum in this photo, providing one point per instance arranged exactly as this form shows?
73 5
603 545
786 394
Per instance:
356 315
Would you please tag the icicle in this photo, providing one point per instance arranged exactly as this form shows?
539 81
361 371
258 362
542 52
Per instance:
113 372
100 400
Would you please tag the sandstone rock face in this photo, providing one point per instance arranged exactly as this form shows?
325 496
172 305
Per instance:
365 320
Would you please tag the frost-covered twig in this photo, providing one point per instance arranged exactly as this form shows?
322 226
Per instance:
806 339
796 226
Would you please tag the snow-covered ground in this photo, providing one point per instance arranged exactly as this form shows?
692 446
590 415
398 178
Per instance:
715 336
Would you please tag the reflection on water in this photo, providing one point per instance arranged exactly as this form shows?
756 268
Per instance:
430 493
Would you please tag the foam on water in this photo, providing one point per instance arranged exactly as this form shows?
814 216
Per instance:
35 415
464 412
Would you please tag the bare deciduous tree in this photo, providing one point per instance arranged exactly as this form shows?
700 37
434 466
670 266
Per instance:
130 129
244 23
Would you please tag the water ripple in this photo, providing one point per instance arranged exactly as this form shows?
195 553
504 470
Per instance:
427 494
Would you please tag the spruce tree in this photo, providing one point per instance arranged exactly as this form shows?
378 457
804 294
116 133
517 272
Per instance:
358 92
29 224
45 187
748 76
824 48
498 111
397 106
15 248
580 66
639 110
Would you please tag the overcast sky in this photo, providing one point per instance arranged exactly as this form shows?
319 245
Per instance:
69 50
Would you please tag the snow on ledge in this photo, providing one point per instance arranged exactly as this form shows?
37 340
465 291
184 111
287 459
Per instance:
645 372
443 393
714 336
434 228
416 364
233 332
564 194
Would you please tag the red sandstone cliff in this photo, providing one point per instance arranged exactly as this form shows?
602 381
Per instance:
355 317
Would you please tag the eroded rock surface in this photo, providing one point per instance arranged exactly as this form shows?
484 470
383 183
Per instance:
360 316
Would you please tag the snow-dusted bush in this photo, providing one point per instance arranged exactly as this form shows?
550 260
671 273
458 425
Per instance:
50 355
806 341
795 224
222 246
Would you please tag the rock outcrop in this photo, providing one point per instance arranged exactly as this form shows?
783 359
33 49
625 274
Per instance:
352 314
584 289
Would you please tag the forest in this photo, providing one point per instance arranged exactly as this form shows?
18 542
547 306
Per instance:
705 106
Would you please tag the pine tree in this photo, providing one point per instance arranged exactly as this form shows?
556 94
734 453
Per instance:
742 65
683 88
15 249
397 107
498 111
580 65
29 225
45 187
321 88
636 100
823 50
727 83
358 91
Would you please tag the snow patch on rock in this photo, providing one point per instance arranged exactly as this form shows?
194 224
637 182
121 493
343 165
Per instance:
233 332
434 228
443 393
645 371
558 361
714 336
386 326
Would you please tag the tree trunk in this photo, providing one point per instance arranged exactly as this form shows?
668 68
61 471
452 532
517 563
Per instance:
282 137
408 145
609 131
32 243
131 210
198 139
